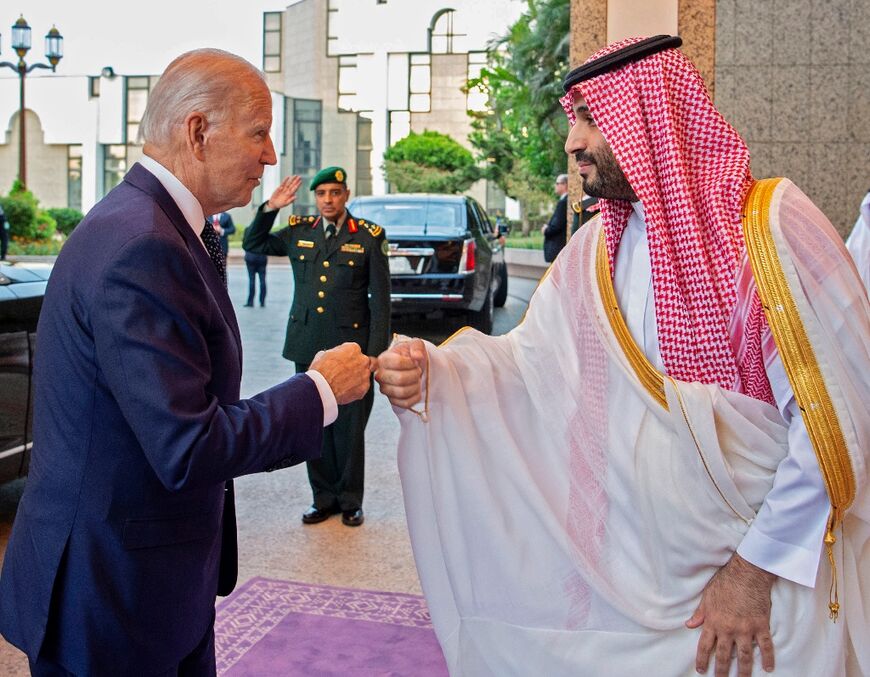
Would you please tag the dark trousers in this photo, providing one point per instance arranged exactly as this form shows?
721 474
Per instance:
198 663
336 478
256 269
4 241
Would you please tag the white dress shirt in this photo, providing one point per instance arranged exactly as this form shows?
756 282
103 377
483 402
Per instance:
191 209
786 536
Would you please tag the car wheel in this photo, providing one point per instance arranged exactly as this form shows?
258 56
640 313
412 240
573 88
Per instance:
501 295
482 319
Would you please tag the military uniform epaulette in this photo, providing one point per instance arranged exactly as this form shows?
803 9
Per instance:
296 220
373 228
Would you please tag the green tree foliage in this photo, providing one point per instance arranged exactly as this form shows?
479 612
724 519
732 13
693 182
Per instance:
430 162
521 137
27 219
66 218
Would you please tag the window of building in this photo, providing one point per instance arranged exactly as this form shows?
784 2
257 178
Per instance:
114 166
347 82
307 124
400 125
137 99
93 86
477 97
443 38
272 42
364 147
74 177
420 83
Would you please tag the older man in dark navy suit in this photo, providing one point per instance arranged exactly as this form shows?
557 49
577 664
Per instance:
126 530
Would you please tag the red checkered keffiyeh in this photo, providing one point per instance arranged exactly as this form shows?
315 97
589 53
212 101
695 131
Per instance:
690 169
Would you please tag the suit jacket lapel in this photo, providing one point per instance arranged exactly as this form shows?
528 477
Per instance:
145 181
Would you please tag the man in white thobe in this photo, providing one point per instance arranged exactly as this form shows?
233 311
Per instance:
707 447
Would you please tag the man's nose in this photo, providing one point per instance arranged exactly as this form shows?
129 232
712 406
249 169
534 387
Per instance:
576 140
269 156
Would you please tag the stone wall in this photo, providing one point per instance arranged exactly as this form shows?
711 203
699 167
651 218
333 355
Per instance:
793 76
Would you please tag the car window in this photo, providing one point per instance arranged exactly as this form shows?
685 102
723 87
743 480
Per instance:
473 218
485 223
388 213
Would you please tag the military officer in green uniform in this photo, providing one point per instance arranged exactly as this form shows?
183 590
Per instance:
342 293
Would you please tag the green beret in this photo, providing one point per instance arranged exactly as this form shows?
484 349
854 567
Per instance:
328 175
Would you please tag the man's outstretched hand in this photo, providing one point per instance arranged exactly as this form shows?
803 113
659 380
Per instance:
285 193
400 373
346 370
735 610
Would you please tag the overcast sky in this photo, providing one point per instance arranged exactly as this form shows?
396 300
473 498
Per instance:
136 37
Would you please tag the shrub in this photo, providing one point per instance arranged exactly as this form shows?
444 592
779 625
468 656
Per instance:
19 247
21 215
67 219
430 162
26 219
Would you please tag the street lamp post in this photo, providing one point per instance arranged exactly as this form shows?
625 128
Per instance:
21 45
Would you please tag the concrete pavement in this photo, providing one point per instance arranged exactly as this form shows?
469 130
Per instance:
272 540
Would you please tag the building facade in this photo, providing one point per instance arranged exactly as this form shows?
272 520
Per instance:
359 76
348 79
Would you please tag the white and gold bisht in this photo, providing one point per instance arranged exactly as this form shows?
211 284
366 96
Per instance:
568 502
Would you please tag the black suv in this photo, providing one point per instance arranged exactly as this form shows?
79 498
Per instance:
445 255
22 288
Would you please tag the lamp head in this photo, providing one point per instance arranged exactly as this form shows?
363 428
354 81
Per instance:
21 37
53 46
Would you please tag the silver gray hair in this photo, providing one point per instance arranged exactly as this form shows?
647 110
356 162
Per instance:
562 178
204 80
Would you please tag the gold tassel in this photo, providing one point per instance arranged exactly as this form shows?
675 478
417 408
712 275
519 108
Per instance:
830 541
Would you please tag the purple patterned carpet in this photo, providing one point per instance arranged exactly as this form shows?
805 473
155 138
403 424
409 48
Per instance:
270 627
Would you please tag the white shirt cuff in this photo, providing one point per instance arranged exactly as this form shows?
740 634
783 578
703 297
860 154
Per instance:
785 560
330 406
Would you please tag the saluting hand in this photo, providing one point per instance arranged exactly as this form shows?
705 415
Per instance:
346 370
285 193
400 373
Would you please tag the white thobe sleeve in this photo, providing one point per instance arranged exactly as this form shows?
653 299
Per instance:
786 536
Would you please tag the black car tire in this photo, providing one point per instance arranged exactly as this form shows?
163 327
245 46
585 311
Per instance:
500 297
482 319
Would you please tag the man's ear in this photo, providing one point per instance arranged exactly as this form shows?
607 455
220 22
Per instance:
195 128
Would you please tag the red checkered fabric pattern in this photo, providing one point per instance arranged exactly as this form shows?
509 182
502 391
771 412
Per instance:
690 169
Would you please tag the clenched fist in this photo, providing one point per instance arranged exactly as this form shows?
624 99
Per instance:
346 370
400 373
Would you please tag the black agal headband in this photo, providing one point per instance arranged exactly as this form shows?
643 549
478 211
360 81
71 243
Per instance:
633 52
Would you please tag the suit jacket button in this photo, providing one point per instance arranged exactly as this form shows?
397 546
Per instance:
326 264
302 257
319 309
323 278
356 325
350 263
321 294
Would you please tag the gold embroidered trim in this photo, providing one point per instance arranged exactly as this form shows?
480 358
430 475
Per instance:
801 366
650 378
